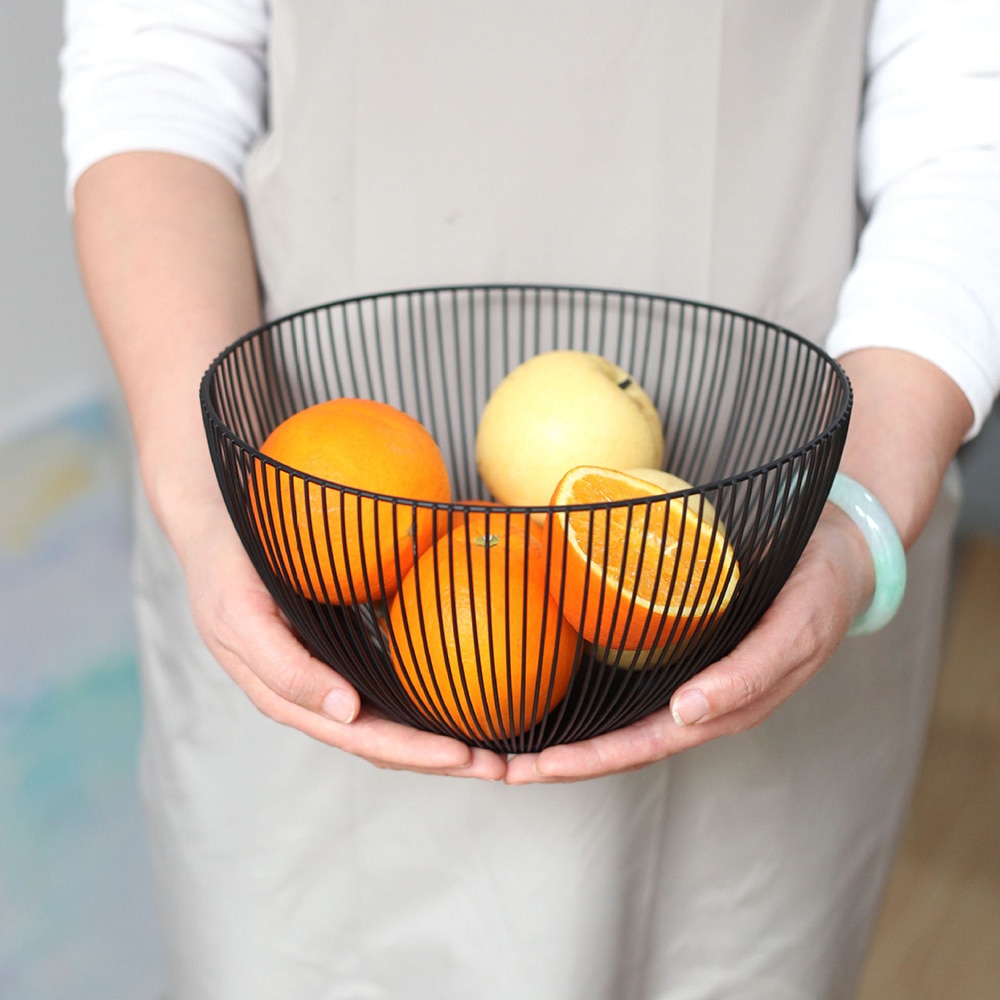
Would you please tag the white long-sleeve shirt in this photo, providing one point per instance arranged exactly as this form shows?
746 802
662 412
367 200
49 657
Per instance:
190 77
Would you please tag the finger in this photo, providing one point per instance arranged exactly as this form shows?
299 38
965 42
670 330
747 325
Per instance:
758 687
379 740
247 634
390 745
746 682
626 749
792 641
795 637
477 762
277 658
240 623
732 695
653 738
384 743
484 765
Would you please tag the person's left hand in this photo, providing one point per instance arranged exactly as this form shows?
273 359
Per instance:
797 635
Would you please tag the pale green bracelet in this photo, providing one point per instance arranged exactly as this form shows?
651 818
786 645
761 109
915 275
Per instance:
886 548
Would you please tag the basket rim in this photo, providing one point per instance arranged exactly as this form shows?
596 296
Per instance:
211 415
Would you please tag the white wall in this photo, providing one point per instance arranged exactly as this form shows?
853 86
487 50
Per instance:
980 462
49 344
75 895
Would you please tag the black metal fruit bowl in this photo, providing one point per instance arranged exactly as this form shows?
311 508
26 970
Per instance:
754 416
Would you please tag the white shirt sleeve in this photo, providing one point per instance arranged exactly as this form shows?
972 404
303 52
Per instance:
927 273
180 76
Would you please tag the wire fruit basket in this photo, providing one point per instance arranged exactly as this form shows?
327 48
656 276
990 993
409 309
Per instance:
753 414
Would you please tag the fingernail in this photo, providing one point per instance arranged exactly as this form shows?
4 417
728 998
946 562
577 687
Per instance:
549 772
689 707
339 706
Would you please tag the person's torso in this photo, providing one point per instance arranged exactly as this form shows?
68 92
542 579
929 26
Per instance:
698 149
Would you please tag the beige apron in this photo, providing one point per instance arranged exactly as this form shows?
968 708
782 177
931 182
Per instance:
699 148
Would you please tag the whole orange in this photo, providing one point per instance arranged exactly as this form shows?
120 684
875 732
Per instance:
333 544
476 640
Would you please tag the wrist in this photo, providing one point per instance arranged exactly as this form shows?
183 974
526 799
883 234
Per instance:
886 559
857 569
184 497
907 423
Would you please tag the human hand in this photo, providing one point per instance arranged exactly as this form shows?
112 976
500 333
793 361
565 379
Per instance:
245 631
796 636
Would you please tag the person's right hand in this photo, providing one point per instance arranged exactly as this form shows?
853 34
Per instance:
167 260
246 632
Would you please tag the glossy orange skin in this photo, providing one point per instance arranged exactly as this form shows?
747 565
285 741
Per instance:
332 544
477 641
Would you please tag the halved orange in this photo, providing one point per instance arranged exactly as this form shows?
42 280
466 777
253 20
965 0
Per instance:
634 576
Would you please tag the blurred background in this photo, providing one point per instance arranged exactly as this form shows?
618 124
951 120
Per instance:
76 913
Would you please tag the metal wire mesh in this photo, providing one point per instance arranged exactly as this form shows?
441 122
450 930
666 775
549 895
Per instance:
752 413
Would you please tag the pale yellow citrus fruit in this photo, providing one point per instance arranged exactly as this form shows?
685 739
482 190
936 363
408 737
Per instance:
674 484
558 410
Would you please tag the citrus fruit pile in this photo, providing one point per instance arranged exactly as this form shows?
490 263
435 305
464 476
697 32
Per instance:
486 608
